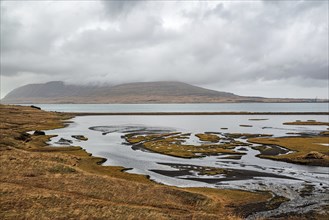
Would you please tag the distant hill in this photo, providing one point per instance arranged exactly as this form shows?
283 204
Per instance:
141 92
55 89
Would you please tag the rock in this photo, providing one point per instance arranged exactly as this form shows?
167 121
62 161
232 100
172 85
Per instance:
36 107
37 132
249 126
314 155
64 141
80 137
24 137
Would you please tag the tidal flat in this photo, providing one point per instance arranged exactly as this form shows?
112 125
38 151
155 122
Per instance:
210 184
193 151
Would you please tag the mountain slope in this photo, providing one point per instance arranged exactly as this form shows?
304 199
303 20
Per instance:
144 92
141 92
162 89
49 90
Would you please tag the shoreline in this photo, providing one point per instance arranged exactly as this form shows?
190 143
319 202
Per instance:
34 169
77 165
192 113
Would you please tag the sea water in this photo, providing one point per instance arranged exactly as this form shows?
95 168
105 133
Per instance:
202 107
284 179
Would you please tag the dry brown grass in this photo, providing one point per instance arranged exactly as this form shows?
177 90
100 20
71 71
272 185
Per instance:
307 150
40 182
172 144
208 137
307 123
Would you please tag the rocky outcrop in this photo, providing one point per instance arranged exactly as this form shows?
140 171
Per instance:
80 137
36 107
64 141
37 132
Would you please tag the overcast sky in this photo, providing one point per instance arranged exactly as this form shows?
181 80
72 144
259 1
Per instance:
261 48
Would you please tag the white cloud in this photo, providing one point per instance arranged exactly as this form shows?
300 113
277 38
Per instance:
219 44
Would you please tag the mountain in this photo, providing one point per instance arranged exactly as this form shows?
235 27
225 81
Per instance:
53 89
141 92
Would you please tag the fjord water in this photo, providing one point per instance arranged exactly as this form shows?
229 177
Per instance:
289 181
110 144
195 107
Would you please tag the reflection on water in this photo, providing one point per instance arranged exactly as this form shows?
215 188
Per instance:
130 129
248 173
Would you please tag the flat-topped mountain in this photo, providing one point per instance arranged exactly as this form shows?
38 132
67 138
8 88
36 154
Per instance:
161 89
141 92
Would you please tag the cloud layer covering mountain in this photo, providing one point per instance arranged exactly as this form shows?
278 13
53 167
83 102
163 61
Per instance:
266 48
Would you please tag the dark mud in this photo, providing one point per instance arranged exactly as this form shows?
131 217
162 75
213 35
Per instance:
270 150
247 210
128 129
305 188
225 174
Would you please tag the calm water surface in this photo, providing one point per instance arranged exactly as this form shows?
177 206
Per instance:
112 147
290 179
216 107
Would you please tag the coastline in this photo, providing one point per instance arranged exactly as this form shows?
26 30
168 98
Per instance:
35 173
204 203
193 113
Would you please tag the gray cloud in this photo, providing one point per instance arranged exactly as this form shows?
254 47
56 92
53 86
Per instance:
118 8
231 46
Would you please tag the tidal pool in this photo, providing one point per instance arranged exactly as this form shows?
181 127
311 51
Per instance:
105 139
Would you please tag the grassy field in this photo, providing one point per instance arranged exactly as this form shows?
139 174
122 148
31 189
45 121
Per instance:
41 182
308 123
306 150
172 144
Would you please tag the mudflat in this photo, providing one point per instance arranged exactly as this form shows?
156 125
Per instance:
38 181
